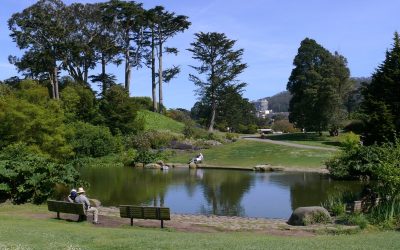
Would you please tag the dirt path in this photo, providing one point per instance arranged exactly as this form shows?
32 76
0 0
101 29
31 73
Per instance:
256 138
109 218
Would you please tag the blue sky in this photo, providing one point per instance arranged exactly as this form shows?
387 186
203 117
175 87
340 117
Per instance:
270 32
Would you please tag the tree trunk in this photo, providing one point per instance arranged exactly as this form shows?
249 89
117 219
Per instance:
103 73
57 95
127 71
127 63
213 113
53 88
160 76
153 72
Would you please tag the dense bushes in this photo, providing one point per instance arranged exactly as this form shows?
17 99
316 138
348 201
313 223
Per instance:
36 125
379 163
26 176
94 141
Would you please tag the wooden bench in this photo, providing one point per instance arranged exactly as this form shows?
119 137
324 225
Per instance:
67 208
138 212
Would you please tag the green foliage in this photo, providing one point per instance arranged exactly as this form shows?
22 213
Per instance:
189 130
143 102
232 136
36 125
120 111
79 103
335 205
155 121
381 104
92 141
355 219
316 218
148 156
26 176
151 139
350 141
180 115
221 64
319 85
386 214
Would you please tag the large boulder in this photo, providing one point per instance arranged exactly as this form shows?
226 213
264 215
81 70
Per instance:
152 166
139 165
304 216
192 165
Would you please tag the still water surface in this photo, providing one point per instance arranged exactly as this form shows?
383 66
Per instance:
214 191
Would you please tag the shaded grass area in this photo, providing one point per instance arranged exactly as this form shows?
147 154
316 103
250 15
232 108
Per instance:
21 232
155 121
312 139
250 153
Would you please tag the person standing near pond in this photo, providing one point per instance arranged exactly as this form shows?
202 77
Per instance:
81 198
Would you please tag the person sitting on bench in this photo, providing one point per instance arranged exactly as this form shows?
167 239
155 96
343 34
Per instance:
72 196
81 198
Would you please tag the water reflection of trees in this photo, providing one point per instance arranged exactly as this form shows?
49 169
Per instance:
115 186
224 190
310 189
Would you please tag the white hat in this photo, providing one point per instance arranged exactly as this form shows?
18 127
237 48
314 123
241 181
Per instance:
81 190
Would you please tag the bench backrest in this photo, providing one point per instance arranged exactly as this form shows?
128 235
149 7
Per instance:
155 213
66 207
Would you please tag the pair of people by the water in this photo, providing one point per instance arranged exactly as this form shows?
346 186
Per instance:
80 197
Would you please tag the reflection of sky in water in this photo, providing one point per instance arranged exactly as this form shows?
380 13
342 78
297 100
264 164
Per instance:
268 200
210 191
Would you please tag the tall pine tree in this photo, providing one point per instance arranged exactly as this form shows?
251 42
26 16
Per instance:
381 104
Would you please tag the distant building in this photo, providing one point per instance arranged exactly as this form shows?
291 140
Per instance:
261 106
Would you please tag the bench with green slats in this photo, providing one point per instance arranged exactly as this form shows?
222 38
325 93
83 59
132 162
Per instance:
67 208
152 213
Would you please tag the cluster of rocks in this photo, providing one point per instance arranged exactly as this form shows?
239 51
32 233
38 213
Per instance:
156 165
267 168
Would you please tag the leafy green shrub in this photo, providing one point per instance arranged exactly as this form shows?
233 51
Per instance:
93 141
350 141
26 176
357 163
316 218
231 136
356 219
148 156
151 139
180 115
189 130
36 125
386 214
335 205
143 102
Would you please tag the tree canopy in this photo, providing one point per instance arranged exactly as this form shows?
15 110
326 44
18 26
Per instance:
319 84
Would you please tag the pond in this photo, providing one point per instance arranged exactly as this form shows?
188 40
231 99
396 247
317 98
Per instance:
214 191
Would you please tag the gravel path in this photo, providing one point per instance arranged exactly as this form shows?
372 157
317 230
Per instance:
256 138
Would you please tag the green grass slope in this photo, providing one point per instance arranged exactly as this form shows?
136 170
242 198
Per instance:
251 153
155 121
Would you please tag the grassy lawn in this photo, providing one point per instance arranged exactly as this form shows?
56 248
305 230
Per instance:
250 153
155 121
17 231
312 139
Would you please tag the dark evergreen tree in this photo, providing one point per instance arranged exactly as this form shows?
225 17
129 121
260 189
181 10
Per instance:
319 84
381 104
